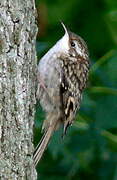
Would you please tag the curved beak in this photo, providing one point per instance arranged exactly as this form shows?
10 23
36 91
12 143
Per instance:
66 31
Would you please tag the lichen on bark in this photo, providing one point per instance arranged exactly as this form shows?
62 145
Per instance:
17 88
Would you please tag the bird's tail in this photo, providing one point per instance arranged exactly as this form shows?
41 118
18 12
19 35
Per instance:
38 153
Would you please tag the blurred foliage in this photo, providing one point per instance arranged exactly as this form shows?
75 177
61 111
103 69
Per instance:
89 150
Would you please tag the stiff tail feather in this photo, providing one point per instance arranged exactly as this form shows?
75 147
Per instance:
38 153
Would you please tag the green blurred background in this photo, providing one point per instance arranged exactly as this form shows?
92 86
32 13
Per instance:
89 150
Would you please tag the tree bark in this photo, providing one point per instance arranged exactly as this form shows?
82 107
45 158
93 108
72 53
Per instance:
17 88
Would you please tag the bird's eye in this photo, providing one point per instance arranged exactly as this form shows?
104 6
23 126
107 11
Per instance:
72 44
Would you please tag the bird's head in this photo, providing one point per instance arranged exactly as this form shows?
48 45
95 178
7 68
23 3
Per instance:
72 45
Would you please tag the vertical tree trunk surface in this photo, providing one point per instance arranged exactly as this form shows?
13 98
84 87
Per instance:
17 88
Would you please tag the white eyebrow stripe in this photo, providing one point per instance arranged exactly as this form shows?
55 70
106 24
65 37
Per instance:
79 50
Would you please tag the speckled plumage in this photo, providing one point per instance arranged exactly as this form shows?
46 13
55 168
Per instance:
62 75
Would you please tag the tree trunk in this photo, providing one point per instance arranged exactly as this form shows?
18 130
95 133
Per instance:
17 88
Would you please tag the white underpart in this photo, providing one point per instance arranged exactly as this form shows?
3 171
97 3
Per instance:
62 46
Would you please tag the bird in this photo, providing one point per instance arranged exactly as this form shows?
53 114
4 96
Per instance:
62 76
